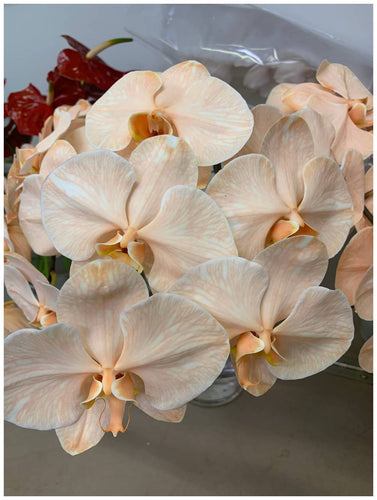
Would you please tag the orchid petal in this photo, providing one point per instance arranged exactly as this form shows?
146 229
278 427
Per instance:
92 300
78 140
47 294
293 265
160 163
368 200
322 131
213 118
327 205
289 146
55 156
19 290
19 242
354 262
175 415
231 289
366 356
30 216
245 190
84 200
188 230
62 120
14 318
107 120
87 431
276 97
364 296
254 375
353 173
341 79
300 96
47 375
174 346
317 333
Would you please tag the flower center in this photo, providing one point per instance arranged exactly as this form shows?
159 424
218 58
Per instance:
144 125
291 224
124 247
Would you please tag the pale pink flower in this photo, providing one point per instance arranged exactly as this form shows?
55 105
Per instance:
354 274
280 323
366 356
283 191
184 101
341 98
111 343
19 274
145 212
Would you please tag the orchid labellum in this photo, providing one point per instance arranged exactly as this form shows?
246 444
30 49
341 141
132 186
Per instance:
184 101
112 346
283 191
146 212
280 323
339 97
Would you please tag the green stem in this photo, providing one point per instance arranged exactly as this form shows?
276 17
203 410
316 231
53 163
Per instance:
104 45
147 283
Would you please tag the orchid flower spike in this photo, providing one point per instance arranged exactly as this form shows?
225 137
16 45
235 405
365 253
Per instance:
280 323
19 274
339 97
146 212
112 345
284 191
184 101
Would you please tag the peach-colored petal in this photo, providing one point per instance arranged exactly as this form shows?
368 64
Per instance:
276 97
283 229
14 318
204 176
317 333
353 173
177 80
254 375
364 296
30 216
289 146
174 346
358 114
341 79
86 432
62 120
245 190
354 262
322 131
327 205
189 229
84 200
231 289
92 300
366 356
293 265
19 242
301 95
46 377
78 140
176 415
55 156
160 163
19 290
368 200
47 294
107 120
213 118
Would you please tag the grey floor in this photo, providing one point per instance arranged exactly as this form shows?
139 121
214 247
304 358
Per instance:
305 437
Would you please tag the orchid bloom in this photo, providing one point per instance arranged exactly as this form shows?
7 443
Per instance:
112 343
283 191
146 212
184 101
30 215
18 273
341 98
354 274
366 356
368 201
279 322
14 318
66 123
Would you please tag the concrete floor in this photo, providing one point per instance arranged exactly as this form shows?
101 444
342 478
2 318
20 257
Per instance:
305 437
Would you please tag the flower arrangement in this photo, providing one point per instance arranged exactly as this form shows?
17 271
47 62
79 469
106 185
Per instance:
194 228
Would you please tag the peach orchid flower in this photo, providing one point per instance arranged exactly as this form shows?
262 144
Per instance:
30 215
366 356
368 201
341 98
279 322
283 191
143 211
66 123
112 343
354 274
39 309
184 101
